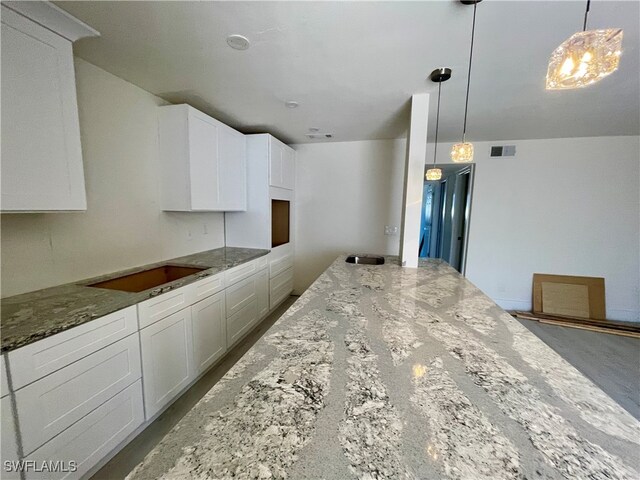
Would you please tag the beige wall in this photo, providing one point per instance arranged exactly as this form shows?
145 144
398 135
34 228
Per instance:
346 192
123 226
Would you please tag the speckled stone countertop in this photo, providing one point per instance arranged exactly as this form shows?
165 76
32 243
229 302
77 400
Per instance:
379 372
33 316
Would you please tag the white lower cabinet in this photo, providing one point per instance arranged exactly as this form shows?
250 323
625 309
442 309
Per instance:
87 441
262 293
52 404
240 295
167 359
81 393
9 439
280 287
209 331
240 323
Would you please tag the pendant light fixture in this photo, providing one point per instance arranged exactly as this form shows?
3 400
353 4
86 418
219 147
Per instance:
585 58
439 75
463 152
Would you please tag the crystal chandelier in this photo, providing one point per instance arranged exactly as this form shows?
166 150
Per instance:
439 75
463 152
585 58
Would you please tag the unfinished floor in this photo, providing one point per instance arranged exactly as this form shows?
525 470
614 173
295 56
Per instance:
610 361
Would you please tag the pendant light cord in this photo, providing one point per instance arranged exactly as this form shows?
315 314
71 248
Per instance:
435 149
466 103
586 13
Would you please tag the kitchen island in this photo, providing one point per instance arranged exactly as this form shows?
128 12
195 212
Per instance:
380 372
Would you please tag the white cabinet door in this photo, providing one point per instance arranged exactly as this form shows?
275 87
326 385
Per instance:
9 443
275 163
232 154
288 167
41 154
55 402
167 353
204 162
93 437
209 331
4 385
262 293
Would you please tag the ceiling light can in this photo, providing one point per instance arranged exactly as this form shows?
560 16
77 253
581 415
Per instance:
291 104
238 42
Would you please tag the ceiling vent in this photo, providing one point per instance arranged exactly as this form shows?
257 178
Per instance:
503 151
314 136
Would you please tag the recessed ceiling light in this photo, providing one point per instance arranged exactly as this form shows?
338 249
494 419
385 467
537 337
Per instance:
238 42
314 129
291 104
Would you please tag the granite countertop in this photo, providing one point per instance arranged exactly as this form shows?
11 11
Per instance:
379 372
33 316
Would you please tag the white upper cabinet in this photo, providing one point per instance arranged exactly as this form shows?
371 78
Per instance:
203 162
281 165
41 153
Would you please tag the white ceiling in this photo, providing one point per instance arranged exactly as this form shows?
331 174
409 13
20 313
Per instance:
353 66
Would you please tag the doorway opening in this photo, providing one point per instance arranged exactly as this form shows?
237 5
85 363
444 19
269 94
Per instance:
446 212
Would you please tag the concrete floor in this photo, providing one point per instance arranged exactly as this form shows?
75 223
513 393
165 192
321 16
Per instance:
126 460
610 361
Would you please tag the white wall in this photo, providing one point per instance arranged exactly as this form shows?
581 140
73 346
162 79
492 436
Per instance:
346 192
123 226
563 206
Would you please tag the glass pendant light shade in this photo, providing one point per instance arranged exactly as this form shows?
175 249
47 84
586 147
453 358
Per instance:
462 152
433 174
585 58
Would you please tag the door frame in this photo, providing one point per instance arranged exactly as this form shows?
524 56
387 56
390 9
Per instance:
470 170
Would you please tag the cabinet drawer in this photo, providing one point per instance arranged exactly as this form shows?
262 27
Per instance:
90 439
240 294
4 386
53 403
279 265
43 357
240 272
156 308
280 288
262 262
240 323
167 356
208 286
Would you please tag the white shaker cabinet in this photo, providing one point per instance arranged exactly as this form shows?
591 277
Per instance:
203 162
209 331
167 360
281 165
41 152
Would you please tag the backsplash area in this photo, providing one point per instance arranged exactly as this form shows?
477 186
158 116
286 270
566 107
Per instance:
123 226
